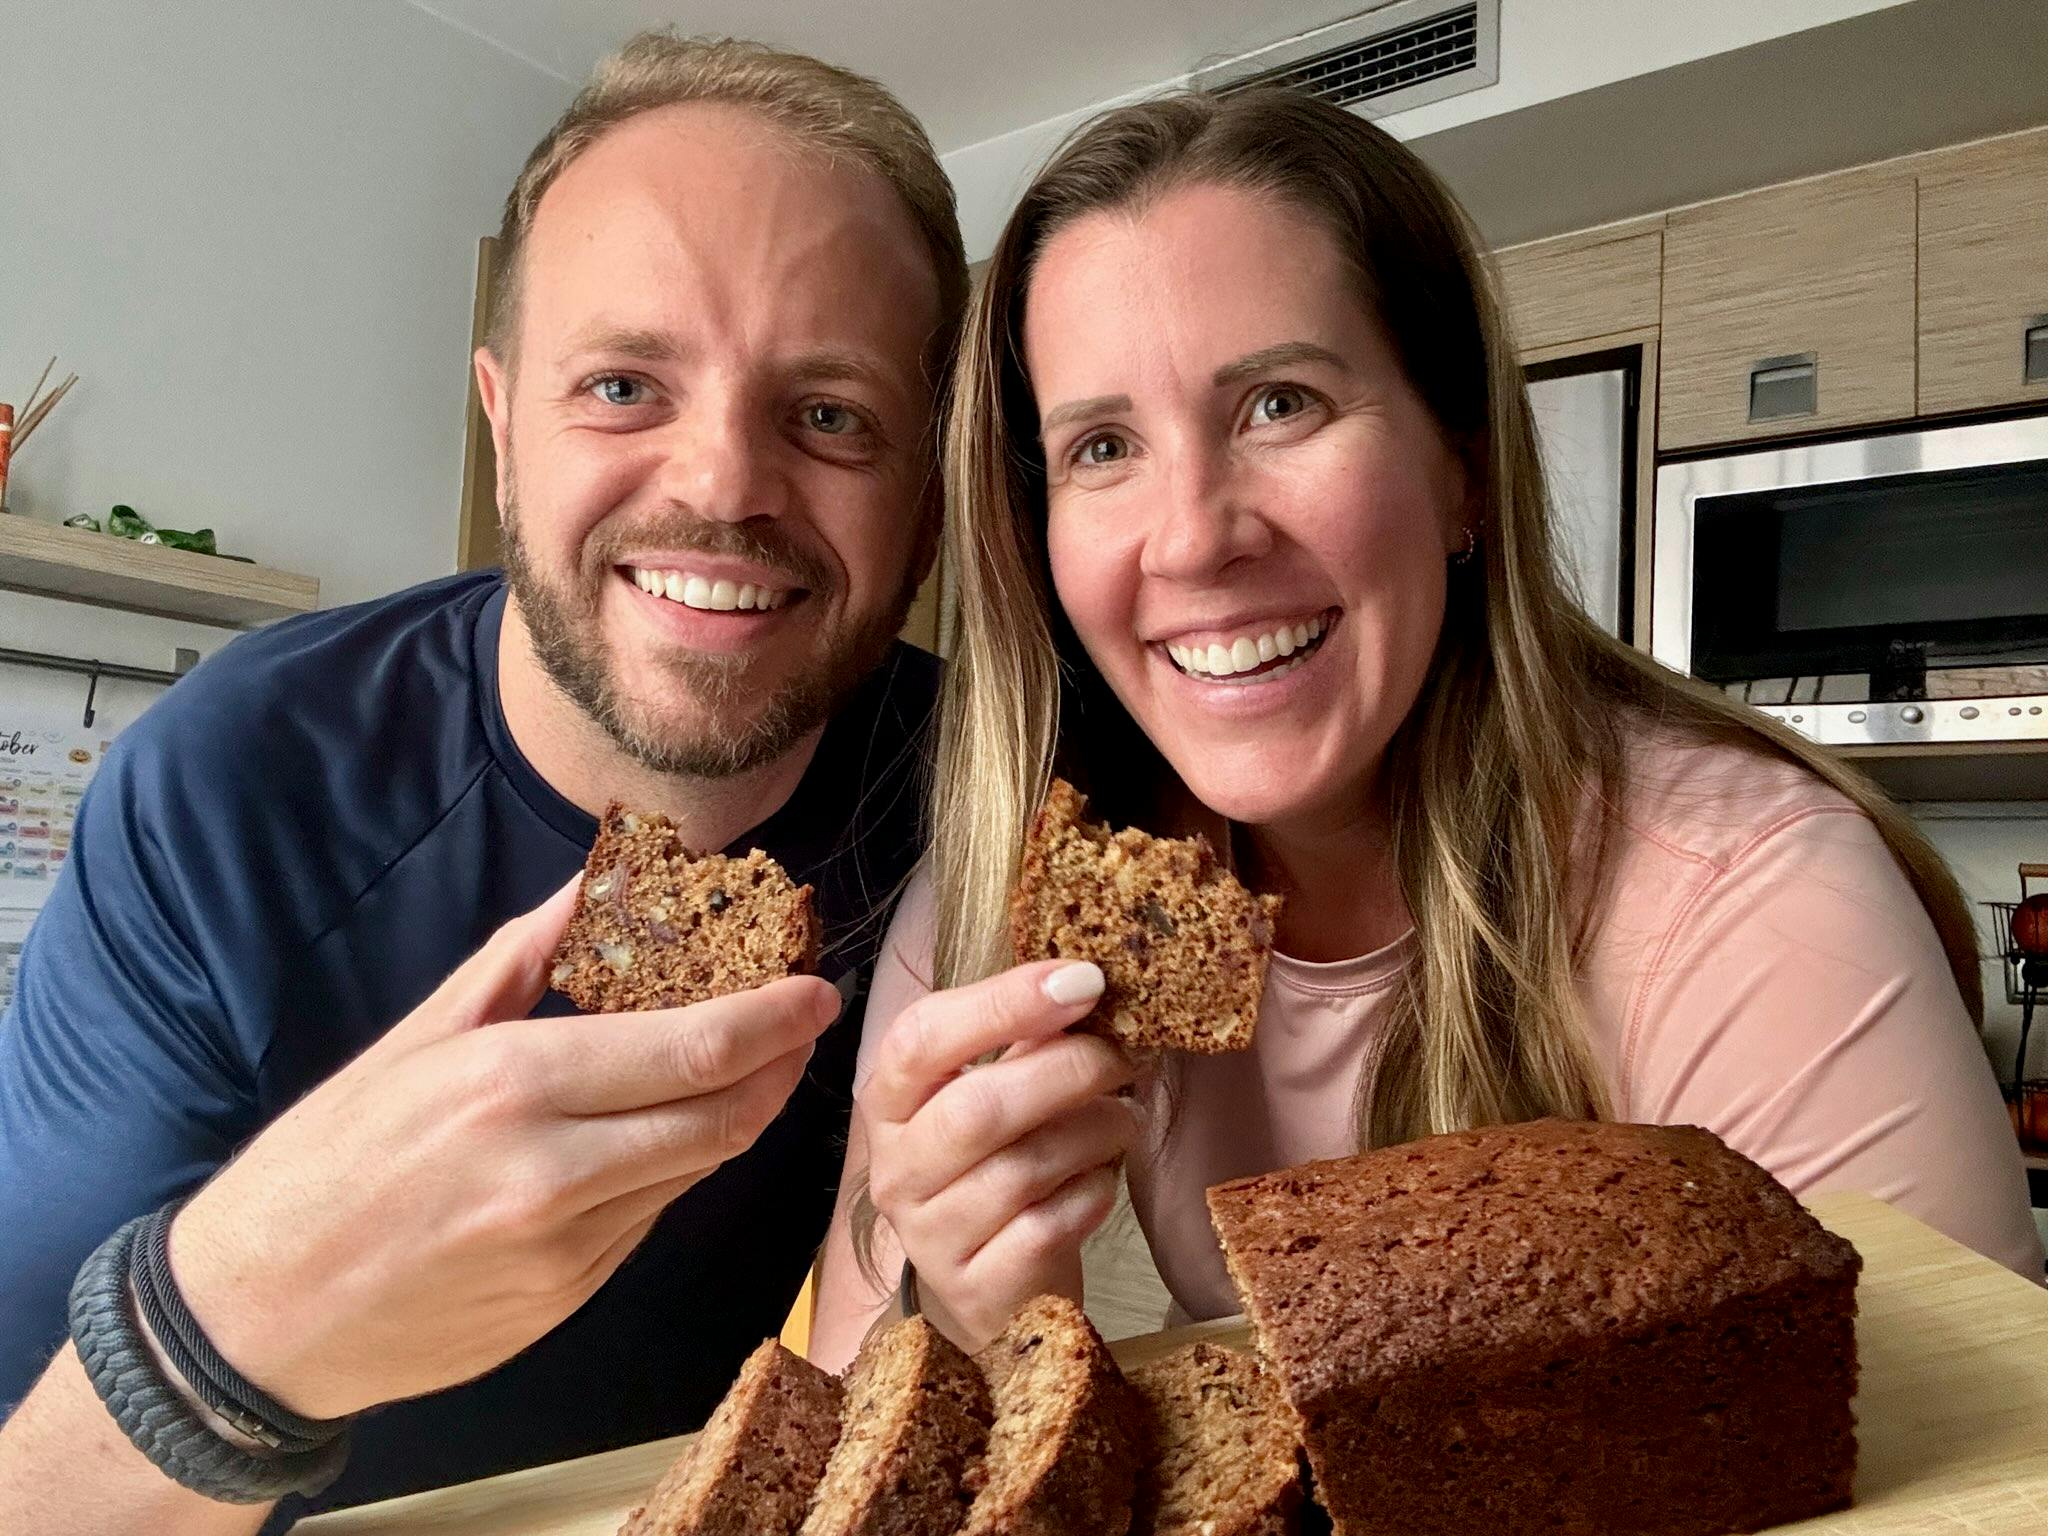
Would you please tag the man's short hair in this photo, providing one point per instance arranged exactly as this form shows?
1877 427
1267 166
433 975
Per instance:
833 111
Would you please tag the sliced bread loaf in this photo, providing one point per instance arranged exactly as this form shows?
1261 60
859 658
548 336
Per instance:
1182 945
909 1455
657 926
754 1467
1063 1453
1223 1453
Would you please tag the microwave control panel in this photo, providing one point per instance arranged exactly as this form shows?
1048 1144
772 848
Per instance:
2021 718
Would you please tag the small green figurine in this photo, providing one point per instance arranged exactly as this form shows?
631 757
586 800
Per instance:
199 542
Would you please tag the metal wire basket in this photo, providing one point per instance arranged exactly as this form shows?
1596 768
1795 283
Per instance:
2014 958
2026 983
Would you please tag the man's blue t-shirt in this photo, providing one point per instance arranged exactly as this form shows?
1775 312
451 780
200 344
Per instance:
282 858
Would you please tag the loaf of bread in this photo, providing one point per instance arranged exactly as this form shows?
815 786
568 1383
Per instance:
1223 1453
1552 1327
915 1425
1182 945
1063 1451
657 926
754 1467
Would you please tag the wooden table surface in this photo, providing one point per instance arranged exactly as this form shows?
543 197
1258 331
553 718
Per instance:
1953 1413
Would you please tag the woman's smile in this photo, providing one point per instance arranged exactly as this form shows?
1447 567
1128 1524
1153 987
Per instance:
1244 654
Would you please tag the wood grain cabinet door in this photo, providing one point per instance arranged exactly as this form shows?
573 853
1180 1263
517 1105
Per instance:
1583 287
1984 276
1789 310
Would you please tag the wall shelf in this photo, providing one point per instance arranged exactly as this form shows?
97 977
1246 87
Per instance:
96 568
1978 770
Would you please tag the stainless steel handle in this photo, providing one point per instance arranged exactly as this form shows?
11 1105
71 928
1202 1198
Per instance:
1784 386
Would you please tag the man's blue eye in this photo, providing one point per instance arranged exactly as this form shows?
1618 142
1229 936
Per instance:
616 390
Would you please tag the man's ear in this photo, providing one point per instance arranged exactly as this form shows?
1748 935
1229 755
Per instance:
494 389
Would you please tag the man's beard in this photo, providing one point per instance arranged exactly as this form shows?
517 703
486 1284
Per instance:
743 727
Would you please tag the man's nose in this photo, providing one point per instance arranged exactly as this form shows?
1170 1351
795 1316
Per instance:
1207 519
722 461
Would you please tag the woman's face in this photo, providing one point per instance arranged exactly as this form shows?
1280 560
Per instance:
1249 508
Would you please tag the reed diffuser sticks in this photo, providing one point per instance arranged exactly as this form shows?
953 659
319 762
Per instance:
34 412
16 427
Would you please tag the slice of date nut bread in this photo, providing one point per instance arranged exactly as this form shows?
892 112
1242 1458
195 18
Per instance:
657 926
1063 1454
753 1468
1223 1453
1182 945
914 1427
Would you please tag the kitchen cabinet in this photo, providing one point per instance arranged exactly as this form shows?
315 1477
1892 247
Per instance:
1583 287
1789 310
1984 275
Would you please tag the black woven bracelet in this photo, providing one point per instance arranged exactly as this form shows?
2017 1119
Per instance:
239 1401
153 1414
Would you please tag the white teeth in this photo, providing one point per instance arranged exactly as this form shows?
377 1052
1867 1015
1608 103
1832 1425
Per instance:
1247 653
697 592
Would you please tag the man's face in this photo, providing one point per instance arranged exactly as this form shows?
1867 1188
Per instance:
714 441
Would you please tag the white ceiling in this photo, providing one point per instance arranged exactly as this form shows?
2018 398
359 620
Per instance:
1604 107
971 69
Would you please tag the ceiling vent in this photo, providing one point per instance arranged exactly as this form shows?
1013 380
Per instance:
1383 61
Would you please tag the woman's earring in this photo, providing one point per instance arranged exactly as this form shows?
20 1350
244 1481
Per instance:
1464 556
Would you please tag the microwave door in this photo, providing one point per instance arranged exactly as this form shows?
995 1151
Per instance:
1585 437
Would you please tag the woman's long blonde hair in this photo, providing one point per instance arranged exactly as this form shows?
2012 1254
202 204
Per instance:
1527 709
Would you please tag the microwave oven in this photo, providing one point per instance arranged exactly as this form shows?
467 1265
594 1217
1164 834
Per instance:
1889 588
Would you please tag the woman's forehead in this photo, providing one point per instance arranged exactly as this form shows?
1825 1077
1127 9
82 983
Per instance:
1190 280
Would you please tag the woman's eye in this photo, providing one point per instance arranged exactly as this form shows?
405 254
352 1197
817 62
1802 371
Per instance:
1105 449
1278 403
617 389
832 420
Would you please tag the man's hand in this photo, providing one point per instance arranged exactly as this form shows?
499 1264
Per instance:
992 1175
471 1179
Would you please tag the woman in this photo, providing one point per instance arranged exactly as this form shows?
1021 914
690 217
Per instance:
1252 538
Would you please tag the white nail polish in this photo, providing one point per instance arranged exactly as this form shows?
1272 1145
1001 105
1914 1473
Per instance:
1080 982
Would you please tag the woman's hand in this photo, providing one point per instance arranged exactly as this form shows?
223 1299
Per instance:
992 1175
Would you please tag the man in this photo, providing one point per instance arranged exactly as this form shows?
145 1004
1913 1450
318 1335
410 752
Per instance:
733 278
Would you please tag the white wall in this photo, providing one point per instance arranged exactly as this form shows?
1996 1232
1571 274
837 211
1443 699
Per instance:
251 228
1549 49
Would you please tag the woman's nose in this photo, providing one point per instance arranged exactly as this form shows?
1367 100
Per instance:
1208 520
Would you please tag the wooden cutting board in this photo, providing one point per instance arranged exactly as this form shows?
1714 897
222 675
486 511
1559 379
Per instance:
1953 1415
